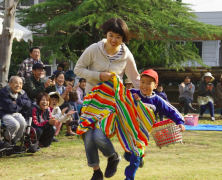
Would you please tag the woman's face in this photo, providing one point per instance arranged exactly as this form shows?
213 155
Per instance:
70 83
113 39
44 103
187 80
207 79
60 80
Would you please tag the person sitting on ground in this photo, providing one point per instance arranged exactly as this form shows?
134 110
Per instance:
73 97
64 93
55 102
206 93
160 92
60 68
128 84
81 94
35 84
187 90
218 95
42 120
13 103
25 69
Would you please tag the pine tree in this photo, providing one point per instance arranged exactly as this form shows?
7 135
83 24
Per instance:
67 27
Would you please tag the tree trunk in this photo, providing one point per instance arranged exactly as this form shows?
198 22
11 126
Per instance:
6 40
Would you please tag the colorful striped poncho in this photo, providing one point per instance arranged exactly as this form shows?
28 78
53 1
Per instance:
110 107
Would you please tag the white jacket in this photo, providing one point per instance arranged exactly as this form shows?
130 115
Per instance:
56 112
94 60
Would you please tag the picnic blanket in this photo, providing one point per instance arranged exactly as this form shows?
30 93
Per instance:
112 108
204 127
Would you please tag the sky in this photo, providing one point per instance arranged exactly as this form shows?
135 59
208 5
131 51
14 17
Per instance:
205 5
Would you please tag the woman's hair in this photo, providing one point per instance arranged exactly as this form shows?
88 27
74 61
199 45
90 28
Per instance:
40 96
58 73
82 80
55 96
187 76
118 26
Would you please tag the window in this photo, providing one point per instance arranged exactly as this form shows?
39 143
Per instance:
199 46
27 3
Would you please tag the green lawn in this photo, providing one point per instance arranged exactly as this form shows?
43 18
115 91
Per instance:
199 157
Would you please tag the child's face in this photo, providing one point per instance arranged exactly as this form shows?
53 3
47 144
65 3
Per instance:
129 86
159 89
147 85
54 102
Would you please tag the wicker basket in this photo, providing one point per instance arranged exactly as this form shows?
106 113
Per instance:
165 133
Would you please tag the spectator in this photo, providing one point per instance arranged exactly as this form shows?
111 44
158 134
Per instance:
60 68
42 120
187 90
13 103
160 92
218 94
81 94
55 102
128 84
35 84
206 93
25 69
64 93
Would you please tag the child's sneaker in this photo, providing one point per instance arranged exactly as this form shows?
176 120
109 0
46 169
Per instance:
142 161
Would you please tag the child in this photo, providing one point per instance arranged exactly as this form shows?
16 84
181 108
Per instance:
55 102
160 92
128 84
149 82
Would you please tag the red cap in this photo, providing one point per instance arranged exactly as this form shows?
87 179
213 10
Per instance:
151 73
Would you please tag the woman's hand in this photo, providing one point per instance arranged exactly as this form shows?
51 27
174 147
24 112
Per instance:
68 89
52 121
183 84
105 76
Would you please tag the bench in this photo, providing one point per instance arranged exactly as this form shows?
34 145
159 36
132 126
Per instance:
176 104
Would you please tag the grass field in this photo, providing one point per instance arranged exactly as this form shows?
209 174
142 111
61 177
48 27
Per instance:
199 157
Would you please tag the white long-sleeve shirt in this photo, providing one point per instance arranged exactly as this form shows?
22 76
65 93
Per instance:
93 61
57 113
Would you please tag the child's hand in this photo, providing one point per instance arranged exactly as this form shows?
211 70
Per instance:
136 96
71 112
64 110
182 127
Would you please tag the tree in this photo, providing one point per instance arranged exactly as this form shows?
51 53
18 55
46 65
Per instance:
6 40
69 26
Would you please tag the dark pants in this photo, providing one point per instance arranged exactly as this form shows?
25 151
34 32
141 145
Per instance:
130 170
160 115
186 102
66 105
45 136
204 107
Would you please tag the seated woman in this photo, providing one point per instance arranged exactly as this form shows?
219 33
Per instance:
187 90
55 102
13 103
206 93
64 93
218 95
42 120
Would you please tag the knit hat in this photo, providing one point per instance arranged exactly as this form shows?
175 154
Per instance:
61 101
127 81
210 75
69 73
151 73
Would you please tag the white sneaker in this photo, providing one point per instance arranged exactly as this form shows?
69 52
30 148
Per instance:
212 119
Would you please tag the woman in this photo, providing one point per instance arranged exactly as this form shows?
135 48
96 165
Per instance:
95 65
187 90
64 93
42 120
218 94
206 93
